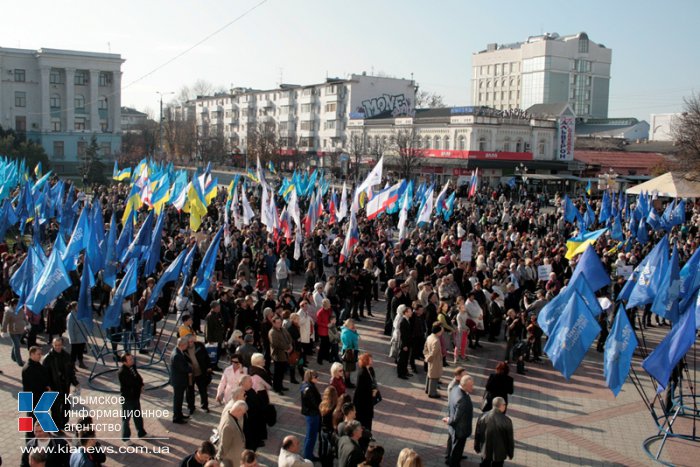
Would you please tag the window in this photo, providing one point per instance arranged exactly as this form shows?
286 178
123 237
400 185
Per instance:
81 148
105 78
283 126
21 124
81 78
307 92
503 95
436 142
80 123
56 124
55 101
307 125
102 103
331 90
103 126
329 125
331 107
58 150
426 145
588 81
519 145
306 142
79 103
105 149
20 99
306 108
541 147
20 75
506 145
482 143
55 77
583 45
446 142
461 143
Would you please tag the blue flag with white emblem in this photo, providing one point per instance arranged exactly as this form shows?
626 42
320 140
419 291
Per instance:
669 352
127 286
571 338
552 311
666 302
52 282
649 276
171 274
78 241
619 348
590 266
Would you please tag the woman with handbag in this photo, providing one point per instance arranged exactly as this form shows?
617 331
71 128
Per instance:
295 356
367 394
499 384
350 341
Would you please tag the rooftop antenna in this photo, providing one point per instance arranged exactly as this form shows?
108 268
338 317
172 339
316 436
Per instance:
281 75
372 70
109 47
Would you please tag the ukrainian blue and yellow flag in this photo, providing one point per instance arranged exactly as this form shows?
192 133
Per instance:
589 188
580 242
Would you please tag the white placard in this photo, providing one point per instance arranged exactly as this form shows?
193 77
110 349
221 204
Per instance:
624 271
466 252
543 272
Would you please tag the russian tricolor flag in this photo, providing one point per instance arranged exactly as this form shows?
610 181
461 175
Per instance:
385 198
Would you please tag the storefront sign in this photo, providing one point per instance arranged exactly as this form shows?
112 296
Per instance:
478 155
566 138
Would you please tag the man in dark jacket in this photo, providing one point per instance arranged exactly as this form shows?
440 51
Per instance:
201 373
349 450
56 452
35 377
130 387
493 437
404 342
61 375
459 420
180 377
216 327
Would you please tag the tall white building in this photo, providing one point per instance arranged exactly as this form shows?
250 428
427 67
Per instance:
544 69
60 98
309 118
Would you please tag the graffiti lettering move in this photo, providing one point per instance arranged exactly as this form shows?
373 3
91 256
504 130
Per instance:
398 105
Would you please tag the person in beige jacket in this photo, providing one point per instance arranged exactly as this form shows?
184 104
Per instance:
231 438
432 351
13 324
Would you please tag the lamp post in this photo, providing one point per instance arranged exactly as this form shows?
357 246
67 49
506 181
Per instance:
160 123
521 171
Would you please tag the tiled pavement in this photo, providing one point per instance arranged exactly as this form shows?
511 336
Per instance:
556 422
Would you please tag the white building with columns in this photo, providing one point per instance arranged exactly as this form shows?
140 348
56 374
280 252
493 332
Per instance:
60 98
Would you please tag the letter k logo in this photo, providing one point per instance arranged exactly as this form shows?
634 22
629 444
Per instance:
25 403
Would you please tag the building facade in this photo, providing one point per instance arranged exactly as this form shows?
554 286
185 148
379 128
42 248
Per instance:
661 126
310 119
453 141
543 70
60 98
132 120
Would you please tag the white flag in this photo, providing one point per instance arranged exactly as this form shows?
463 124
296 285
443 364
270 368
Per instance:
248 213
293 208
342 211
427 209
234 210
374 177
403 216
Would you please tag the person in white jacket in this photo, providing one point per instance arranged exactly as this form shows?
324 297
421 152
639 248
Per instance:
289 454
282 273
230 379
306 329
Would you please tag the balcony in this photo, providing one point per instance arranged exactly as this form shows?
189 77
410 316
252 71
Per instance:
307 99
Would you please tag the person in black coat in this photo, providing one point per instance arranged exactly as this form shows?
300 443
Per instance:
310 401
180 376
130 387
405 342
35 378
202 369
459 421
499 384
365 392
61 376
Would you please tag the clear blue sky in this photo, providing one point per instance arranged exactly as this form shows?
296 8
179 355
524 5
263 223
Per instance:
654 65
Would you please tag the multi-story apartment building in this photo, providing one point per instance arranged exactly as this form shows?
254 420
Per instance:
544 69
60 98
310 119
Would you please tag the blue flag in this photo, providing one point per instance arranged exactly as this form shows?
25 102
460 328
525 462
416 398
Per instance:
87 282
571 338
666 302
649 276
206 269
169 275
186 267
605 208
690 279
592 269
552 311
127 286
141 242
153 252
96 244
126 235
619 349
22 281
668 353
616 231
52 282
109 276
653 219
678 214
78 241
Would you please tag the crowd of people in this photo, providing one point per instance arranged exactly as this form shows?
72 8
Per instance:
270 311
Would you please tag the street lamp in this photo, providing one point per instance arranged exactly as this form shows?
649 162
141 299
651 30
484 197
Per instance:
521 171
160 124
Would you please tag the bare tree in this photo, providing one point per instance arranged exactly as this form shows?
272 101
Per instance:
264 143
686 133
202 87
357 147
409 155
428 100
378 148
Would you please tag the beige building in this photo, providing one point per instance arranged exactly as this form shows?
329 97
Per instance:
543 70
